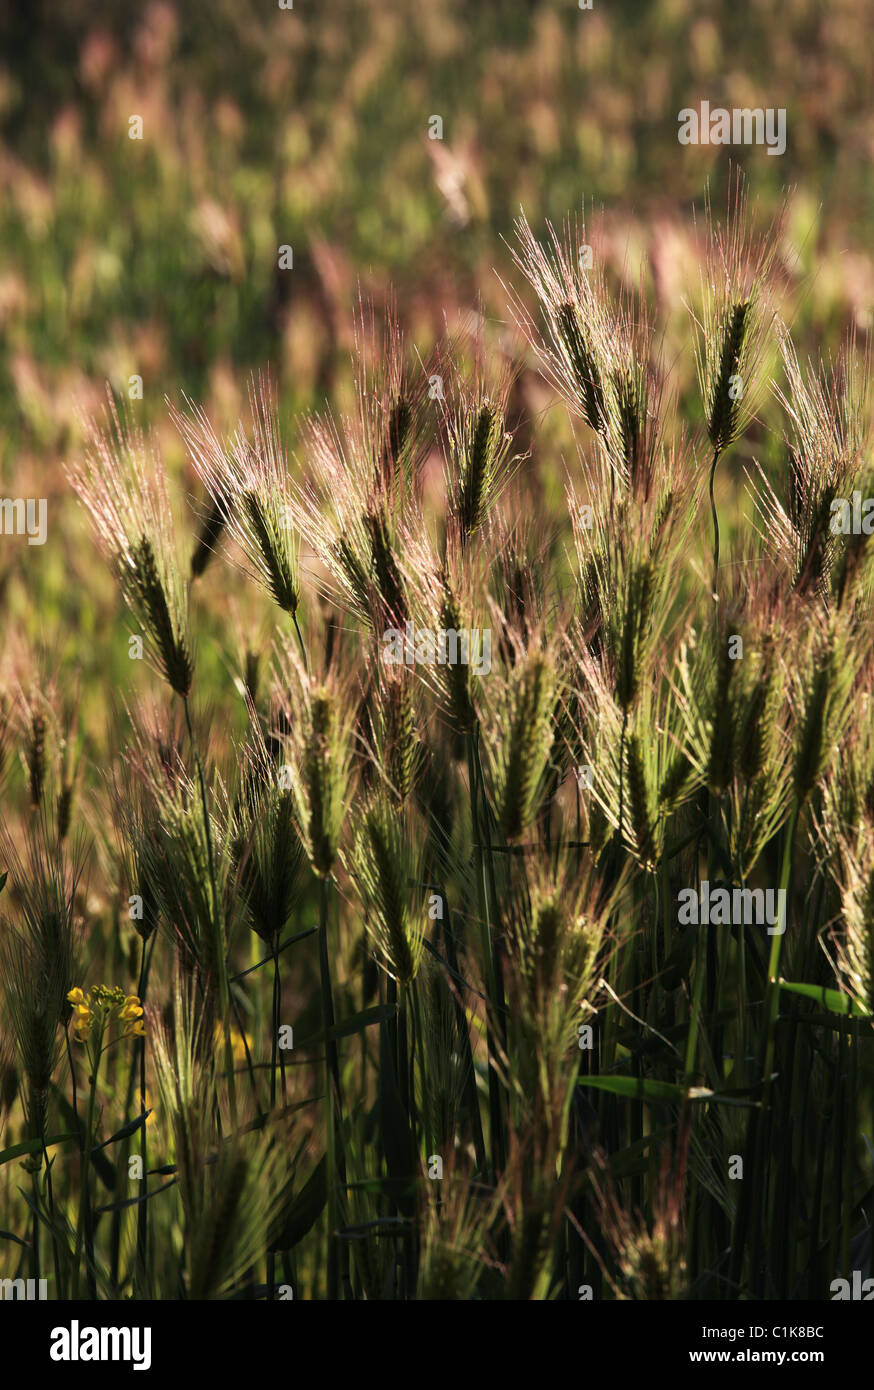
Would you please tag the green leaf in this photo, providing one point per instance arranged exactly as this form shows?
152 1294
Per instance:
636 1088
723 1097
658 1092
126 1130
377 1013
301 935
135 1201
828 998
32 1146
10 1235
305 1209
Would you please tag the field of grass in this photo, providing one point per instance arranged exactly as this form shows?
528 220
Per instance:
436 744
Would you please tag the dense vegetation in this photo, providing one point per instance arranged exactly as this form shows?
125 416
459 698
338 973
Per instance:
339 956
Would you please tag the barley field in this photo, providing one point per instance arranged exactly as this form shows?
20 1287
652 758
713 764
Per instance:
436 579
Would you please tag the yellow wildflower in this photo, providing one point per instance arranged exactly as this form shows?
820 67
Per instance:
110 1002
131 1013
83 1014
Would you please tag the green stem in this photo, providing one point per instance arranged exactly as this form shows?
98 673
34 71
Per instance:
715 516
495 1126
747 1232
418 1043
219 947
697 992
143 1208
772 998
274 1049
333 1095
494 930
463 1030
50 1199
84 1217
34 1245
300 642
622 777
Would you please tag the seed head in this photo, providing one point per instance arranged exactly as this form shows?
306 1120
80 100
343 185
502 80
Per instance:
247 481
123 486
315 725
522 718
386 861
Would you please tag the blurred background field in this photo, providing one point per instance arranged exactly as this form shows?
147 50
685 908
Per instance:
308 128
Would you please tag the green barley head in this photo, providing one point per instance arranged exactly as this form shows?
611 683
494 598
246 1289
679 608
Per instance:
386 862
316 729
521 718
123 486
